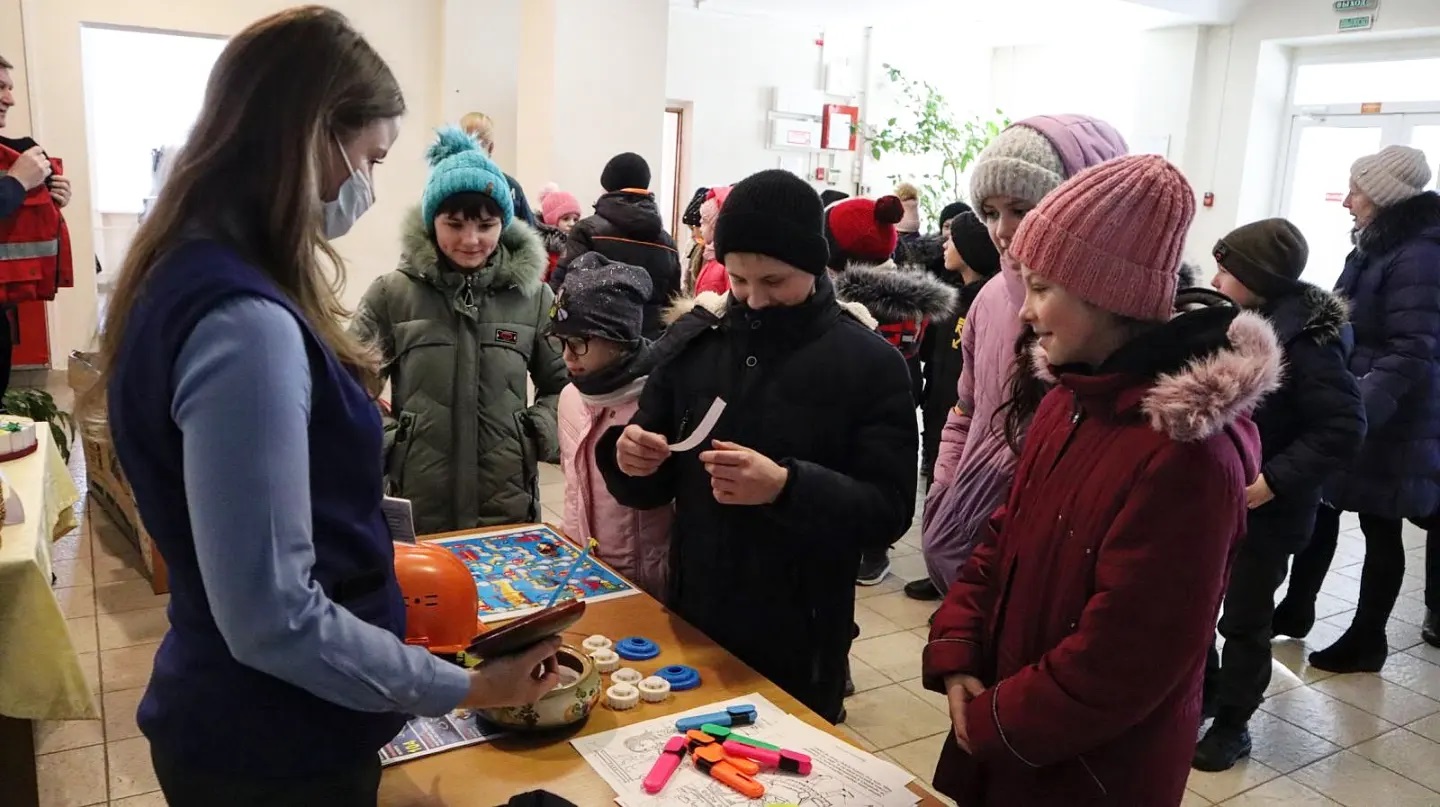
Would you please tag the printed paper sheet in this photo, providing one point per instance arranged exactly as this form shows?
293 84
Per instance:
843 776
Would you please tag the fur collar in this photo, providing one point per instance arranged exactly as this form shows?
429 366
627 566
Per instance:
553 238
715 305
1212 389
519 260
1313 312
1402 222
892 293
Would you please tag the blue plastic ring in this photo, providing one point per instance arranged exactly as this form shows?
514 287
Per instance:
680 677
637 648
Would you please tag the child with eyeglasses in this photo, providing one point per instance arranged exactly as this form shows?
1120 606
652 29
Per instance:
596 323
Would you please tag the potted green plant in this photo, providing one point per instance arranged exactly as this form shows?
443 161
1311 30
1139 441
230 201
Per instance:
40 406
927 128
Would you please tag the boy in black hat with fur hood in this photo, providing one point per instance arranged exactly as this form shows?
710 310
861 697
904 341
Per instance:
812 462
1309 428
903 299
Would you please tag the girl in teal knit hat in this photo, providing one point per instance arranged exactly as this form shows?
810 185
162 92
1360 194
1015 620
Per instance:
459 326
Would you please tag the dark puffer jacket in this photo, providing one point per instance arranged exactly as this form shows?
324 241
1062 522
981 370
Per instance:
1315 423
1392 280
818 392
627 228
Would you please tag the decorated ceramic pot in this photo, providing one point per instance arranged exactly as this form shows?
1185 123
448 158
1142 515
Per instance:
566 705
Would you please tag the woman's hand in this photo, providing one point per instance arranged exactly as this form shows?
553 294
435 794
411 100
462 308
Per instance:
640 453
743 476
513 680
60 190
1259 493
960 690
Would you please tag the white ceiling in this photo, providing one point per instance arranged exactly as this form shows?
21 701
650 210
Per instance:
995 21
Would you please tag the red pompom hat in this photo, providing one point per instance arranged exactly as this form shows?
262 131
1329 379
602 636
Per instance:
862 230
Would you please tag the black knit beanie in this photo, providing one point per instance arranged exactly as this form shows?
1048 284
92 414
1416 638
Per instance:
628 170
774 213
972 241
950 211
691 218
830 196
603 298
1266 256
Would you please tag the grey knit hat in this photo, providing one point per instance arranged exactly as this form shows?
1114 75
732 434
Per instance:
1020 163
601 298
1395 174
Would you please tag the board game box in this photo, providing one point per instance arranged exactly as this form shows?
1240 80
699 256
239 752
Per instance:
516 571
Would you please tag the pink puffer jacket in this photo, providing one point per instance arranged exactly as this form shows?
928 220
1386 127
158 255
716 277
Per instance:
988 346
636 543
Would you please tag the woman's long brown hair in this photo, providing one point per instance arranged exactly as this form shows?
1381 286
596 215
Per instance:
280 95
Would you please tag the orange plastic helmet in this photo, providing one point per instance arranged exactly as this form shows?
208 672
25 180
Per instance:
440 598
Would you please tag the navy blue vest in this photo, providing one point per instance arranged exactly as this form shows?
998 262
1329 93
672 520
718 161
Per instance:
203 708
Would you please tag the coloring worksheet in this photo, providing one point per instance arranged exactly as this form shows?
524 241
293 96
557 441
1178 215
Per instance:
516 571
843 776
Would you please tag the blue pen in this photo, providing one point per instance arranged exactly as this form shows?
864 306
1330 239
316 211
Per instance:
580 561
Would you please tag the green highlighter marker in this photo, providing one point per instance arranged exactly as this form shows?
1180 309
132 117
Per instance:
721 734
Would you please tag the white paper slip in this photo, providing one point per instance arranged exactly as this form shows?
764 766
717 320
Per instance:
399 518
702 431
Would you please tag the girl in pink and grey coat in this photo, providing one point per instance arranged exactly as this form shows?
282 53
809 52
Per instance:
597 323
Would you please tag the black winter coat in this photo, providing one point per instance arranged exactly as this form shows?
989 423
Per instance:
943 362
1314 424
815 390
627 228
903 300
1392 280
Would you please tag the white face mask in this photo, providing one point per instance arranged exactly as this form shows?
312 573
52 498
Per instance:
354 199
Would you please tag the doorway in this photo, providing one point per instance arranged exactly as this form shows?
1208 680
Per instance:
143 90
1322 148
671 170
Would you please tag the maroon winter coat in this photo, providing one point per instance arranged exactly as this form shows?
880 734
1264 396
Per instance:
1088 607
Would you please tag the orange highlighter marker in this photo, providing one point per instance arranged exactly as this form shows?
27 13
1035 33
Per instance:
711 761
695 739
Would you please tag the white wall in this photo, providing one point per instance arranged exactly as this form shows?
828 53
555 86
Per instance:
405 34
609 90
727 67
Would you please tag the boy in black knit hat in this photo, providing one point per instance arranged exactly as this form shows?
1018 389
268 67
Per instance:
627 228
812 461
1309 428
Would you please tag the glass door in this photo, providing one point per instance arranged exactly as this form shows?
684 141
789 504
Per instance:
1317 180
1423 132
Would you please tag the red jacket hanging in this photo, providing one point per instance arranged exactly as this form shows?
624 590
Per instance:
35 258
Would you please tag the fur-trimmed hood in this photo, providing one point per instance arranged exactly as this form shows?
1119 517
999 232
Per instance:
1199 372
1393 226
552 238
1313 312
519 259
894 293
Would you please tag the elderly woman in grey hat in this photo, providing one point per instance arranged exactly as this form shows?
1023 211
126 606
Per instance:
1392 280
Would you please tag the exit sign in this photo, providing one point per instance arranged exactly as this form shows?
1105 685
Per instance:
1356 5
1363 22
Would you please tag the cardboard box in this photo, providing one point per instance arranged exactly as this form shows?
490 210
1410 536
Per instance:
108 488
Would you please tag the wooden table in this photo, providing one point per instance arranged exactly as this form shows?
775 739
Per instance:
490 774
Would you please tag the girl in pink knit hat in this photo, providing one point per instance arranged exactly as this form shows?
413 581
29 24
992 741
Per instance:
1072 645
558 213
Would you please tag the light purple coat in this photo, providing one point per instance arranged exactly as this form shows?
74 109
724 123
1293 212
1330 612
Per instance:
975 467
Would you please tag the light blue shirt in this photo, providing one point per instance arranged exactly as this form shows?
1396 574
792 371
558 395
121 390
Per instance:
248 488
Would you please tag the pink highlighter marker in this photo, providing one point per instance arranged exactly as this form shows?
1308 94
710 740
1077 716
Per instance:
665 766
782 760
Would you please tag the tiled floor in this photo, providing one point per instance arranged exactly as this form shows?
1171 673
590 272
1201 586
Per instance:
1359 741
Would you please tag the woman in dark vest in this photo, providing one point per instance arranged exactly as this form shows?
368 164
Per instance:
239 409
